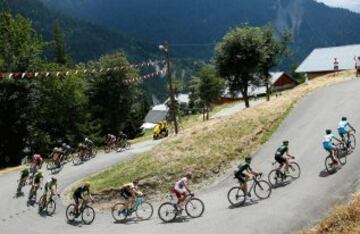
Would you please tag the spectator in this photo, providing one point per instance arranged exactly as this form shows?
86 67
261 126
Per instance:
357 65
336 64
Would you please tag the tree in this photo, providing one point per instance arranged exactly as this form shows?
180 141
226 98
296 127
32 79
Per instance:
20 46
238 58
20 51
60 51
210 88
274 49
58 110
112 94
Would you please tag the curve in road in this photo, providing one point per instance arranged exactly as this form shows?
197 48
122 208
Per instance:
290 208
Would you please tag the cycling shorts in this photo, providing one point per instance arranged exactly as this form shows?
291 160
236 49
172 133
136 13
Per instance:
125 194
280 160
328 146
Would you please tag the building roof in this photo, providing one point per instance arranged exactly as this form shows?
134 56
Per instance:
155 116
322 59
276 75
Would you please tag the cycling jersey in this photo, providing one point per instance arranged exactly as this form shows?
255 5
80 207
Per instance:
80 190
25 172
281 151
49 184
180 185
37 177
342 127
243 167
327 142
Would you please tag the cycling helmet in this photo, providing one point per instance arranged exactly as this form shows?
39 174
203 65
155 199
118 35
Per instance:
189 174
136 182
328 131
286 142
344 118
248 159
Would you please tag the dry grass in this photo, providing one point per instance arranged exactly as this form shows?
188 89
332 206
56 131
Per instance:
11 170
344 218
210 148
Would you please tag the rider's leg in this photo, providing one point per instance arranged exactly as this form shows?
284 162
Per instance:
244 184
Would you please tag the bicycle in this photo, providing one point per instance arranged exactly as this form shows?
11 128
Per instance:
122 145
33 193
86 212
261 188
168 211
350 140
143 210
276 176
50 206
340 153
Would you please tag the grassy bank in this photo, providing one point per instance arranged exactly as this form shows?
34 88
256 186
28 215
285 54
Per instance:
344 218
210 148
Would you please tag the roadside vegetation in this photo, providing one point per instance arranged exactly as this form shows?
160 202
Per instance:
209 149
344 218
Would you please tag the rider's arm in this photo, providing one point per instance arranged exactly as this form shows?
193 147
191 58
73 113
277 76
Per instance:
287 154
352 128
251 171
187 188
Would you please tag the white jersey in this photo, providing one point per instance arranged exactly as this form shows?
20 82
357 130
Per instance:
180 185
343 124
328 138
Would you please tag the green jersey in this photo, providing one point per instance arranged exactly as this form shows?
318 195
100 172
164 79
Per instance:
281 151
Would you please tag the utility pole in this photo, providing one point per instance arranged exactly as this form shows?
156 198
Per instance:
166 49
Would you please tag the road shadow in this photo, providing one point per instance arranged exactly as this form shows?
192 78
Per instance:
131 221
75 223
324 173
180 219
282 184
247 204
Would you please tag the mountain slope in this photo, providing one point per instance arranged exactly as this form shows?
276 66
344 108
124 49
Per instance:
86 41
186 21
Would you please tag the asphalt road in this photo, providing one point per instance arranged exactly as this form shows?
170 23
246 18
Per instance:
297 205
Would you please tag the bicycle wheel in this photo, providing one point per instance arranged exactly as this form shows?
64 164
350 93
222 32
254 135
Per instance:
342 154
329 165
118 212
274 178
88 215
352 140
294 170
51 207
236 196
194 207
144 211
262 189
41 203
77 159
70 212
167 212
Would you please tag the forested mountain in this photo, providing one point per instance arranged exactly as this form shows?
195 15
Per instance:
86 41
313 24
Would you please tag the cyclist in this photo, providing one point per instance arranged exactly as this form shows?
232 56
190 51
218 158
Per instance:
343 129
329 145
79 196
283 161
110 139
243 174
180 189
65 150
24 175
129 192
37 162
50 189
36 184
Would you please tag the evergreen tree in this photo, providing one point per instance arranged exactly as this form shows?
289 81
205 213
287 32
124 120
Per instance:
60 51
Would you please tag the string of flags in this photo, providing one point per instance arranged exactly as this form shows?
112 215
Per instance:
63 74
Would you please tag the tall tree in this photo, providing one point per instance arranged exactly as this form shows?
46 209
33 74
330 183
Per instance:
238 58
112 94
60 51
20 51
274 48
210 88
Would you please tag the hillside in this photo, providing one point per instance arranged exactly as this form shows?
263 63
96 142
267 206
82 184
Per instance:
186 21
86 41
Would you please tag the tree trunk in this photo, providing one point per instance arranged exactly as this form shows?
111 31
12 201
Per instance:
267 92
244 92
